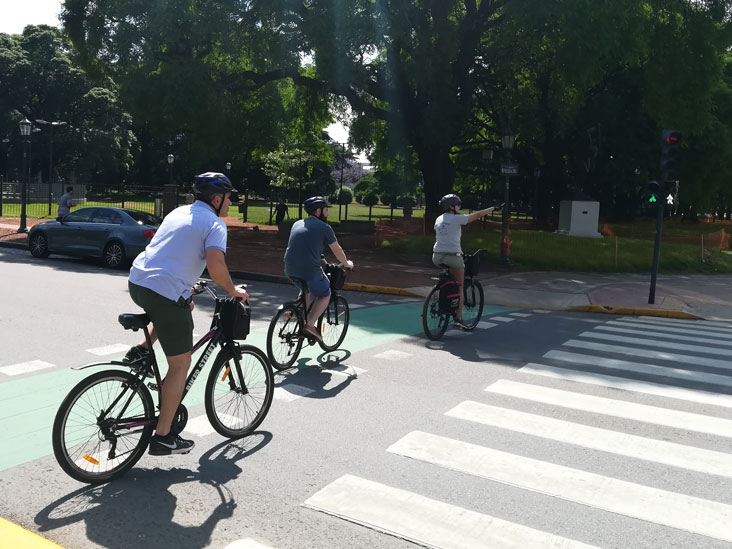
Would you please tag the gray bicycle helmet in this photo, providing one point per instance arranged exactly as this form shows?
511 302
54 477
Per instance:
314 202
450 200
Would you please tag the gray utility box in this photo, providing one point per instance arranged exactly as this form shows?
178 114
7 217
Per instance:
579 218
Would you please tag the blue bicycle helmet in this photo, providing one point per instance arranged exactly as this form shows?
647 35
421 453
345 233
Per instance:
209 184
314 202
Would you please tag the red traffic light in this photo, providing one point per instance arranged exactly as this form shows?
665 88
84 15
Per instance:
671 137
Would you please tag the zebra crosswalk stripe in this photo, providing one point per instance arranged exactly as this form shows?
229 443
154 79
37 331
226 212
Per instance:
679 321
615 408
647 353
654 334
688 513
641 368
628 384
651 343
668 329
659 451
426 521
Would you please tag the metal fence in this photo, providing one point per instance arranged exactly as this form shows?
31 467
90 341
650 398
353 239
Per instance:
42 199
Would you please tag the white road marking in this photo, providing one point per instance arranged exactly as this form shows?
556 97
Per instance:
392 355
25 367
502 318
522 315
677 337
378 302
668 453
689 322
426 521
668 329
247 543
290 392
688 513
627 384
647 353
199 426
483 325
663 344
109 349
355 306
640 367
541 311
343 370
616 408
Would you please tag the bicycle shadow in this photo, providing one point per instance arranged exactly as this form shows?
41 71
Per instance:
138 510
329 378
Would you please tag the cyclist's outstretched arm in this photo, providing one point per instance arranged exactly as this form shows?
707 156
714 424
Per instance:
340 255
216 265
477 215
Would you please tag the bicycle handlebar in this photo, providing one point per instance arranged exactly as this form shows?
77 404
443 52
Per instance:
202 286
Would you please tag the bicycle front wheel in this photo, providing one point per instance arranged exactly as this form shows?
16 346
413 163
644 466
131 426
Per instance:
434 322
472 303
236 406
333 323
283 337
102 427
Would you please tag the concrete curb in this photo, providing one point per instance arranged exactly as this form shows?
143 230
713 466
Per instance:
13 535
638 311
13 245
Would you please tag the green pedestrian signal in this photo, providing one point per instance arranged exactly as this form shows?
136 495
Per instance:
653 198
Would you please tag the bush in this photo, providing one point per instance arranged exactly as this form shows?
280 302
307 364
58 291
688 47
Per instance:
370 199
345 196
388 199
406 200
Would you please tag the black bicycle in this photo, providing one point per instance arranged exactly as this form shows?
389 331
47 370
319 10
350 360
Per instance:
104 425
441 304
285 335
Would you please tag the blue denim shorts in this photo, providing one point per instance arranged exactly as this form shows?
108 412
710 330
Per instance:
317 285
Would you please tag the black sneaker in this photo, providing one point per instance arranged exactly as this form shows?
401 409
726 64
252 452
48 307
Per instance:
136 357
169 444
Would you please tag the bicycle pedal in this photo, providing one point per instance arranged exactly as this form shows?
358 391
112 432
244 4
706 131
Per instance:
153 386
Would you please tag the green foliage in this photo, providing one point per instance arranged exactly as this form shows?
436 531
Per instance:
345 196
370 199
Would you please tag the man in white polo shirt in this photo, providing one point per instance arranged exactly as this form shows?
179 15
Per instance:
189 239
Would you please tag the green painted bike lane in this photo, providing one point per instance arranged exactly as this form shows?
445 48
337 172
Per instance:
28 406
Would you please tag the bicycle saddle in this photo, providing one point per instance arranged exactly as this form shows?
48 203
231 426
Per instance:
133 322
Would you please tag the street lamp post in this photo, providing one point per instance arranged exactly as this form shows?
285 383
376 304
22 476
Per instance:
171 159
228 168
507 140
6 142
340 191
25 130
52 126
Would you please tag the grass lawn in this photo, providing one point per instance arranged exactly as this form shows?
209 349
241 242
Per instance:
545 251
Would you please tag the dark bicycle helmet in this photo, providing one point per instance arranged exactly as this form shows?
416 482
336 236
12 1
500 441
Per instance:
314 202
450 200
209 184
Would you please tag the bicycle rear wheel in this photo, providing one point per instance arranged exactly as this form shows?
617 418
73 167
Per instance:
472 303
434 322
283 337
333 323
102 427
236 407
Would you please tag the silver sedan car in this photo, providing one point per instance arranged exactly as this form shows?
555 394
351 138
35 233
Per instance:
115 235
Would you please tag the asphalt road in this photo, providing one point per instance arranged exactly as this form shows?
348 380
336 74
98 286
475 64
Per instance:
537 429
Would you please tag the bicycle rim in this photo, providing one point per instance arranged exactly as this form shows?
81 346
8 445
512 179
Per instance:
472 304
95 450
283 338
334 324
433 322
235 409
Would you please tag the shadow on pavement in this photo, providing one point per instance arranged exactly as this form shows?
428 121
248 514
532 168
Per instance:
326 380
137 510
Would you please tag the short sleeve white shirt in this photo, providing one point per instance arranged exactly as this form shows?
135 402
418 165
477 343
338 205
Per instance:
176 256
448 229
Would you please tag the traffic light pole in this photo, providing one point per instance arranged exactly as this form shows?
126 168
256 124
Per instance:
656 251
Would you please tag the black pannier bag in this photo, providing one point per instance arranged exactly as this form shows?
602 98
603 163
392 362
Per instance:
449 295
472 265
336 275
235 316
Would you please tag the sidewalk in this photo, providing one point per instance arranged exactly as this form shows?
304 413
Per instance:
257 255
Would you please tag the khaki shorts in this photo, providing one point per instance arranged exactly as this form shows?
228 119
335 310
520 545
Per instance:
452 260
172 320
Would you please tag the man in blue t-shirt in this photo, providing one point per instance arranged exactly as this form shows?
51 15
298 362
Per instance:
189 239
308 239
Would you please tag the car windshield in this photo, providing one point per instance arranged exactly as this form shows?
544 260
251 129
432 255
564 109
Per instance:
144 218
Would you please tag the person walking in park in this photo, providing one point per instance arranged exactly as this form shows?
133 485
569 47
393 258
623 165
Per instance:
65 202
281 211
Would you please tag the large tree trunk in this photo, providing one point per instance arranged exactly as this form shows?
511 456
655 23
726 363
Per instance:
439 175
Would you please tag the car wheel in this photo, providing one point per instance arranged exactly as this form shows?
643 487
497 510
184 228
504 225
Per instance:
38 245
114 255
